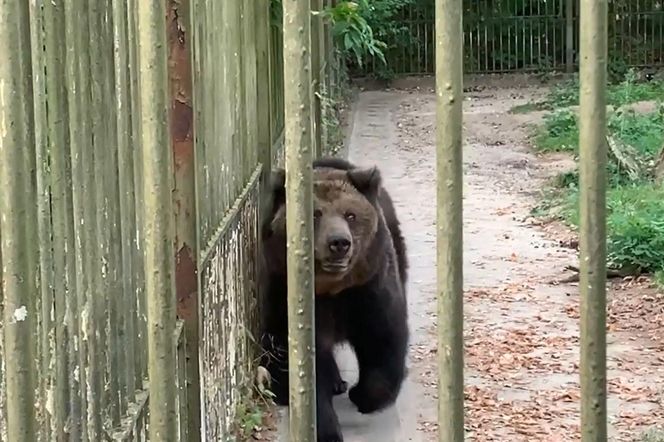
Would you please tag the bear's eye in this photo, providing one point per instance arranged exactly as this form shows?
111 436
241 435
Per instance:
317 213
350 216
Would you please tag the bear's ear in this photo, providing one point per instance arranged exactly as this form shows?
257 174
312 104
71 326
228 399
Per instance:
367 181
278 186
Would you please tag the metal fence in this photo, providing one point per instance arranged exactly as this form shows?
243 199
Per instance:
84 185
524 35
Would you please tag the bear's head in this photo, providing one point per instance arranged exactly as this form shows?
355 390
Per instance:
346 220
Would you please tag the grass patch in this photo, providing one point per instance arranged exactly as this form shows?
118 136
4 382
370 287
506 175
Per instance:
559 133
635 225
659 279
566 93
529 107
630 90
635 205
643 131
653 435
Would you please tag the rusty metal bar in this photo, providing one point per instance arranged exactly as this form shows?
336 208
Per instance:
449 94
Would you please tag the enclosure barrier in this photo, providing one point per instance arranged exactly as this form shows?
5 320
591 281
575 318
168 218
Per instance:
87 247
449 223
592 229
522 36
299 220
91 259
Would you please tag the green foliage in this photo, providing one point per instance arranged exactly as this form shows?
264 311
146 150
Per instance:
559 133
628 90
352 34
659 281
635 225
643 131
635 206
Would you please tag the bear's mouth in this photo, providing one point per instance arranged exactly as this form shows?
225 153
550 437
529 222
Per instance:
334 267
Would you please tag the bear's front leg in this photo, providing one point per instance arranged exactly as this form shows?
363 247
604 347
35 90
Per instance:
327 383
380 345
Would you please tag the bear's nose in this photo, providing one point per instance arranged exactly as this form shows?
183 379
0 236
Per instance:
339 245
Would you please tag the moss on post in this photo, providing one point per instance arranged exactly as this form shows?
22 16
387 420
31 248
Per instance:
299 224
449 95
593 162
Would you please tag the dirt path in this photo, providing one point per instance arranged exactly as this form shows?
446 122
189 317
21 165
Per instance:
521 330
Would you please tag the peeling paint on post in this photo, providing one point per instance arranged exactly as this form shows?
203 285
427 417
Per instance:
449 223
157 218
18 222
592 229
299 219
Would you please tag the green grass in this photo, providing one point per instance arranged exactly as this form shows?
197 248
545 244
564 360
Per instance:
653 435
635 224
643 131
635 206
559 133
529 107
566 93
659 281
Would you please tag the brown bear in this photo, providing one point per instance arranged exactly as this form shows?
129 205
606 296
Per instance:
360 274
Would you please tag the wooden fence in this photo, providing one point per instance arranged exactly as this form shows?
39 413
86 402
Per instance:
132 178
523 35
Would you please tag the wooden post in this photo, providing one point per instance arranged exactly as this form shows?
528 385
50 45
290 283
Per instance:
157 218
592 228
18 222
449 94
299 220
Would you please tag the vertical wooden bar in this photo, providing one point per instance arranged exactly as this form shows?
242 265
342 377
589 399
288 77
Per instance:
316 27
137 304
114 303
44 303
62 221
592 229
76 126
264 81
98 245
249 74
299 219
449 94
569 35
18 222
157 218
125 181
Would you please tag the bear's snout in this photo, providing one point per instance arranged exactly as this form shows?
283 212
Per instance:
339 246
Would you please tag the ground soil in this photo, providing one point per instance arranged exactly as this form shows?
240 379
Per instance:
521 324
